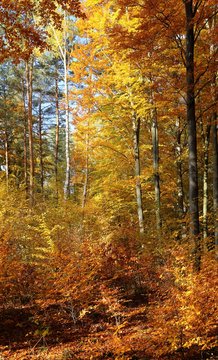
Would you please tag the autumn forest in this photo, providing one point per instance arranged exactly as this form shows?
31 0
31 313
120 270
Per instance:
109 179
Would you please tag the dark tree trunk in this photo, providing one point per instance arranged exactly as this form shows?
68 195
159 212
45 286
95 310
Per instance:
215 176
155 150
214 126
192 138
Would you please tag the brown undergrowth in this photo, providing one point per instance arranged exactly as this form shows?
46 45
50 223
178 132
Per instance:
109 300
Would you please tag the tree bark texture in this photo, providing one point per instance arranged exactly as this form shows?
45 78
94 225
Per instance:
192 138
56 155
215 177
29 85
136 134
85 186
180 186
67 117
41 164
155 150
6 157
206 142
179 165
25 165
213 49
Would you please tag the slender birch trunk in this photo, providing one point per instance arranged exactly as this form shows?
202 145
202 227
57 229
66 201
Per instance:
64 55
192 138
180 186
206 143
6 158
155 153
136 134
29 84
67 116
179 165
57 134
6 146
41 164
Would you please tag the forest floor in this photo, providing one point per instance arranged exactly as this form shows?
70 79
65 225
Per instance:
51 333
33 332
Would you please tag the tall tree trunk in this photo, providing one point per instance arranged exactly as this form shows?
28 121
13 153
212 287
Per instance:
178 151
25 166
155 153
64 55
136 134
6 143
67 116
155 150
41 164
57 133
85 186
180 187
25 154
214 125
192 138
215 176
206 142
29 84
6 158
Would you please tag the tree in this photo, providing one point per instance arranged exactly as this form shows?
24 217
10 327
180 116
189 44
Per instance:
12 119
61 47
190 12
29 91
114 263
169 19
20 31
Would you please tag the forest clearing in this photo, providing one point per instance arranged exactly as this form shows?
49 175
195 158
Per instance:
109 179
